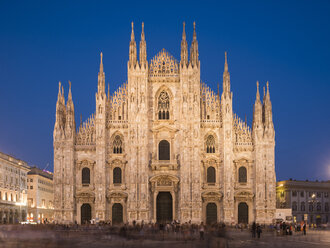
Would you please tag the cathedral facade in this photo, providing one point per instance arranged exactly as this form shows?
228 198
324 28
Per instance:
164 147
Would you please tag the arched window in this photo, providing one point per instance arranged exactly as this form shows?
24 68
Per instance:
85 176
117 145
117 175
164 150
211 175
294 206
302 206
310 207
163 106
242 177
210 144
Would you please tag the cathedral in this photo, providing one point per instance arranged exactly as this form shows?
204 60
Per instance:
164 147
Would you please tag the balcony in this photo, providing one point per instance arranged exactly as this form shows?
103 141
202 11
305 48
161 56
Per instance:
164 165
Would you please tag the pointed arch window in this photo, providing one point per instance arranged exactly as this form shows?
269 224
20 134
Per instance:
211 174
210 144
242 175
85 176
117 145
164 150
163 106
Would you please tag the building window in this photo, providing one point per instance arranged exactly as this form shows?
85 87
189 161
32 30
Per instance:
31 180
117 145
85 176
302 206
164 150
294 206
116 175
318 207
242 177
6 196
326 194
210 144
326 207
302 194
310 194
319 194
211 175
282 193
31 187
43 203
163 106
294 193
310 207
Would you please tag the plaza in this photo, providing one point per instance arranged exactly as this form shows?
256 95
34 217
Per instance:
103 236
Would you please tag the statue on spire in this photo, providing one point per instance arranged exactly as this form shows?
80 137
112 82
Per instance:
194 60
226 79
132 49
184 47
143 48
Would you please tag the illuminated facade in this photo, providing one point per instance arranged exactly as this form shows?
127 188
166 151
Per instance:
40 196
309 200
164 146
13 191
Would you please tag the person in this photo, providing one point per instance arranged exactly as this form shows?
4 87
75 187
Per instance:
259 231
201 231
254 227
304 228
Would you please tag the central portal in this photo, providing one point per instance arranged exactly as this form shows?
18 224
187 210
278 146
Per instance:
164 207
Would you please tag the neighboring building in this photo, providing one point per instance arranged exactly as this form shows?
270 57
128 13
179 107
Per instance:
13 193
40 195
308 200
164 146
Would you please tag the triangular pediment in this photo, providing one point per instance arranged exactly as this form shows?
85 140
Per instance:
163 65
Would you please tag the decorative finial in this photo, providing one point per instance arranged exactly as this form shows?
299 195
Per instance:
194 35
101 62
184 31
69 85
264 91
226 62
132 34
267 86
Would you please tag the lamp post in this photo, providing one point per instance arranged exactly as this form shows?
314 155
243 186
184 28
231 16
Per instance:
313 200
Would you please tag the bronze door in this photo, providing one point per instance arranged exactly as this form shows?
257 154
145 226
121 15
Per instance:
243 213
86 213
164 207
211 213
117 213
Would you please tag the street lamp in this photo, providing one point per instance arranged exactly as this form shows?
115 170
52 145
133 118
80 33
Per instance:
312 201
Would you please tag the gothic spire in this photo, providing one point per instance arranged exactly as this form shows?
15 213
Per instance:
226 78
184 47
143 48
257 110
268 115
70 121
132 49
194 50
101 77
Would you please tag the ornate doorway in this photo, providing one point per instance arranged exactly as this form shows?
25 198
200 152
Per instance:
211 213
243 213
117 213
86 213
164 207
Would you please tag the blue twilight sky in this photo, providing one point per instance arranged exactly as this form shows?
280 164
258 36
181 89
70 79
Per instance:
285 42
